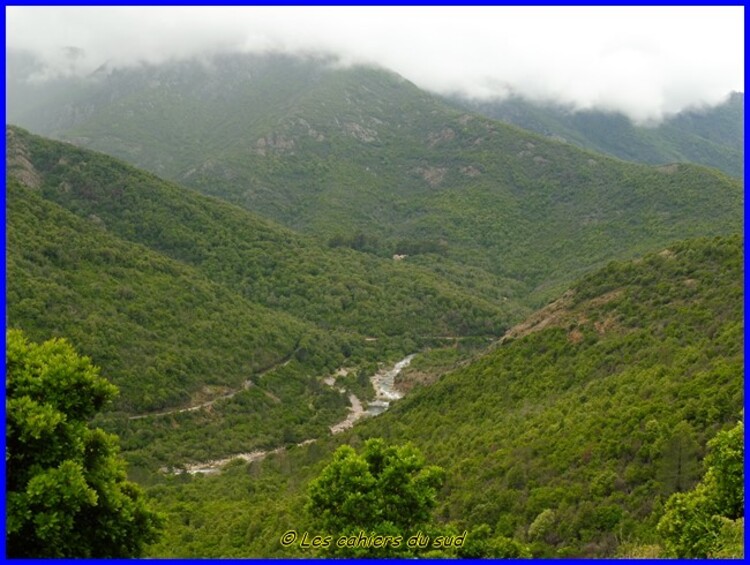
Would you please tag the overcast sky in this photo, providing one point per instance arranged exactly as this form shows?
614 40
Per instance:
644 61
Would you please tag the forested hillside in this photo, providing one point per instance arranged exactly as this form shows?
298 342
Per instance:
335 288
600 411
559 331
361 158
184 300
122 303
568 437
707 136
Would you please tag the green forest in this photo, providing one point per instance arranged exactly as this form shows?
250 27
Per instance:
360 320
361 156
571 440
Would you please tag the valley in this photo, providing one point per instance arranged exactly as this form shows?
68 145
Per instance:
613 393
382 383
275 257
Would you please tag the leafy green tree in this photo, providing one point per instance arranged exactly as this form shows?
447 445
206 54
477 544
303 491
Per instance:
708 520
730 542
66 490
542 524
481 543
385 490
726 471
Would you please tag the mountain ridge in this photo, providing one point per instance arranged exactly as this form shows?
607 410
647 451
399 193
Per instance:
709 136
334 221
348 155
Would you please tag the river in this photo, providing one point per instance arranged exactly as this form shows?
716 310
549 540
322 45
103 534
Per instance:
385 393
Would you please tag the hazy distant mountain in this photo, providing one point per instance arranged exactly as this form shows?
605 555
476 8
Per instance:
708 136
361 157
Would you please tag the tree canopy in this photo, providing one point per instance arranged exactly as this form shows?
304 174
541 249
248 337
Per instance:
67 493
708 521
384 490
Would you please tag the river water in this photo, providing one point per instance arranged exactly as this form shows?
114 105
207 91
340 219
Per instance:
385 391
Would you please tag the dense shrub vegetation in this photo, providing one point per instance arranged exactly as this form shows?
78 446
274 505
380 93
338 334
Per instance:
569 440
405 227
66 491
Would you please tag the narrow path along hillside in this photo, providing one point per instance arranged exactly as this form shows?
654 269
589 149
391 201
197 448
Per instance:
246 385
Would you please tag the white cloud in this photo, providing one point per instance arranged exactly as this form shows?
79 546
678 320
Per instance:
644 61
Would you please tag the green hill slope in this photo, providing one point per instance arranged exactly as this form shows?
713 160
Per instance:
337 289
591 413
713 137
586 414
363 158
167 337
187 301
123 304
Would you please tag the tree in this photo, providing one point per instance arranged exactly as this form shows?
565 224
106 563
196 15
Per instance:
385 491
67 495
708 520
542 524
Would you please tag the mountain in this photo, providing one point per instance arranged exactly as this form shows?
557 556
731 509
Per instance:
334 288
359 157
711 136
123 303
166 335
597 408
590 413
184 299
321 222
